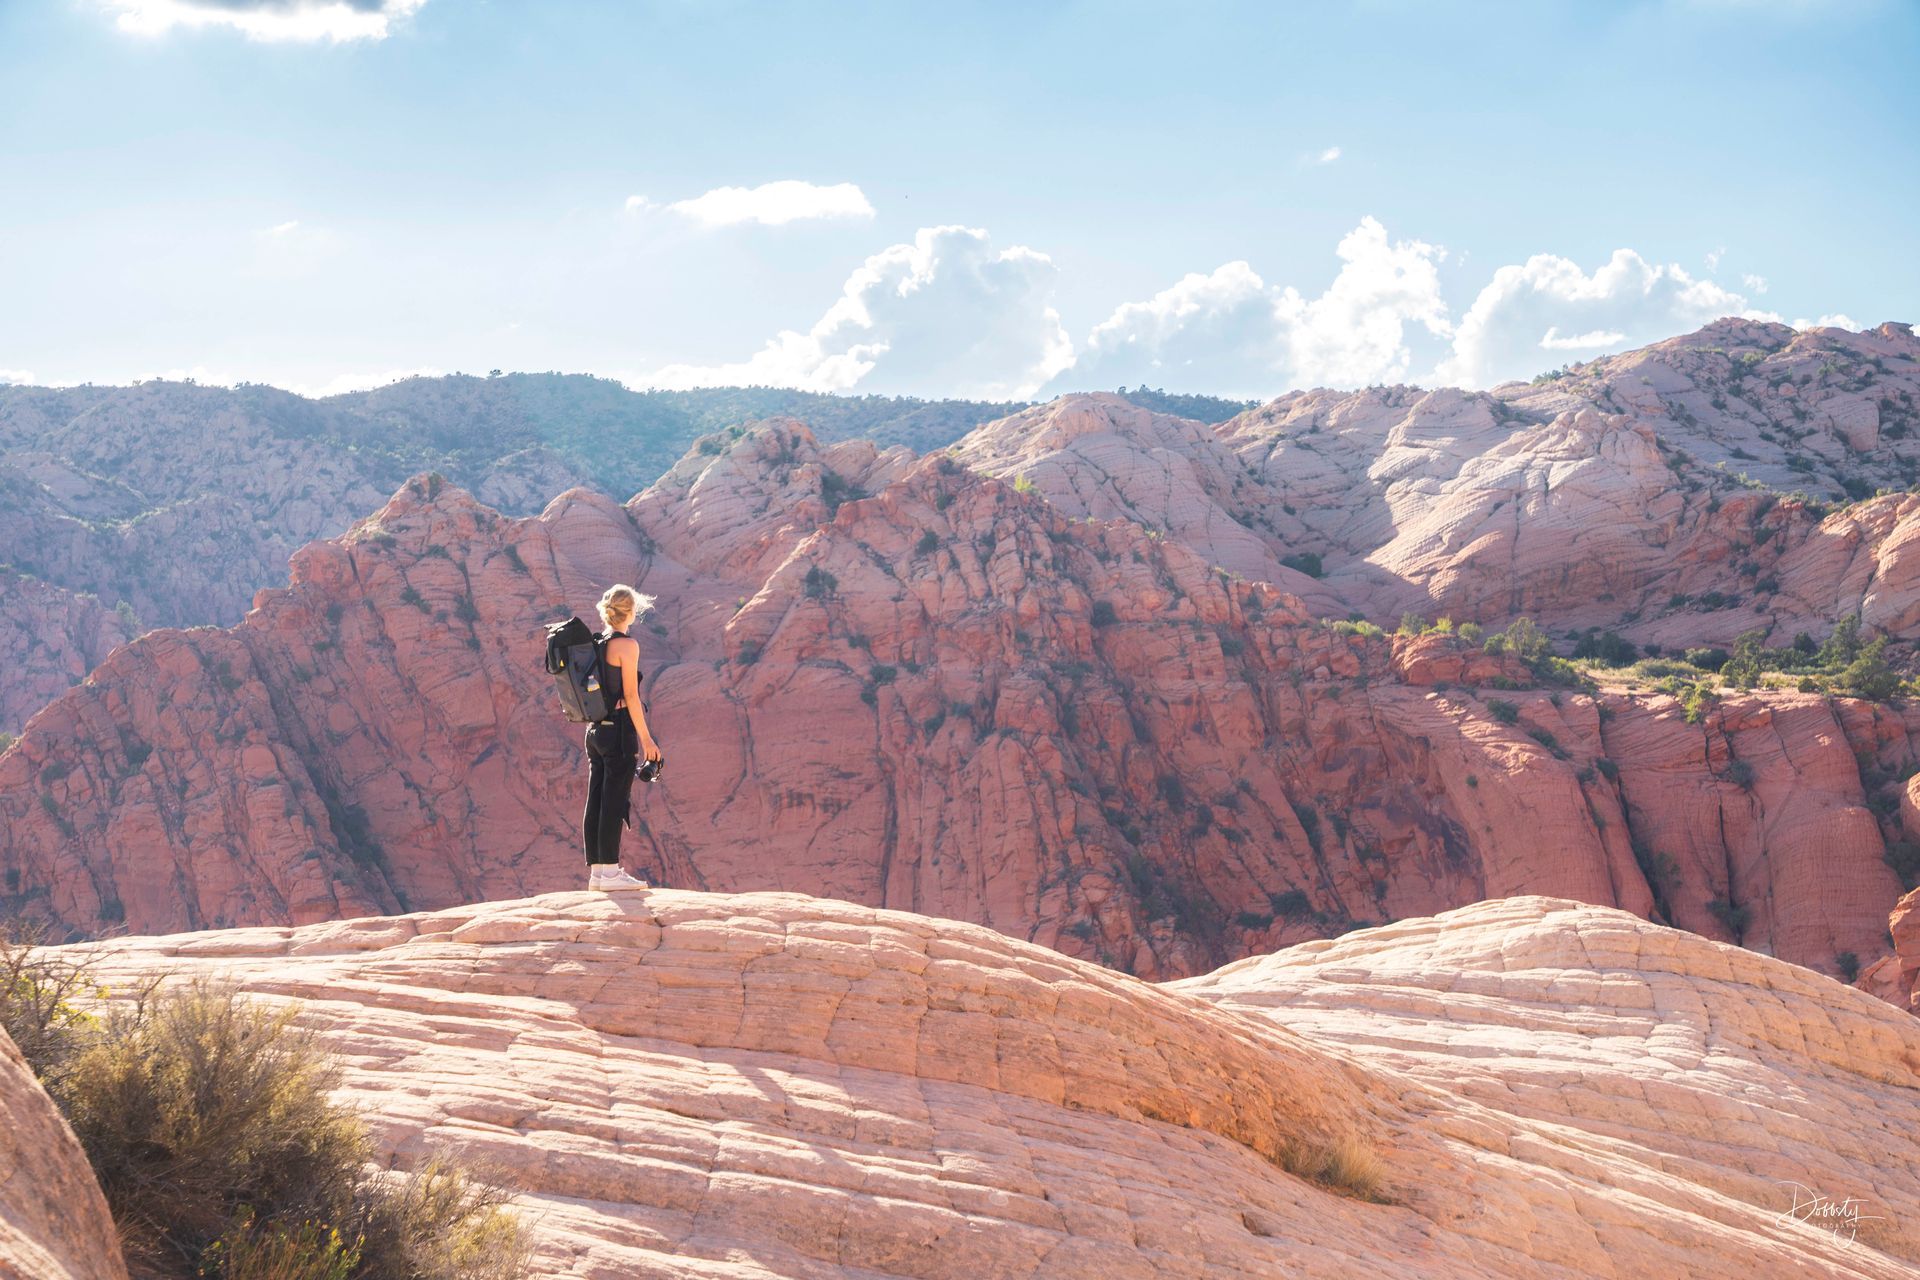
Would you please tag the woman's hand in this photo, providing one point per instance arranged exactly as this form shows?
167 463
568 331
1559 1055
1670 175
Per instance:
649 749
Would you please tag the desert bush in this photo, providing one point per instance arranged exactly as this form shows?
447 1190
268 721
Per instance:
208 1121
274 1251
40 995
1868 675
1732 915
1606 647
1307 562
1706 659
194 1106
1502 710
1470 632
442 1222
1848 963
1346 1164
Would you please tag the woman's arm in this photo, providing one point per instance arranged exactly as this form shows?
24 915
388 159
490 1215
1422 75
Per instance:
630 690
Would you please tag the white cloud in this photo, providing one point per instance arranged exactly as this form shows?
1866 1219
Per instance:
292 248
1714 256
1628 298
948 314
1553 341
1328 156
1756 283
1231 332
15 378
266 20
771 204
1837 320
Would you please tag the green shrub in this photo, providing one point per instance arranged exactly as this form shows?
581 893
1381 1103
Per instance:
928 544
1357 627
1470 632
208 1123
1103 614
1502 710
439 1223
1291 905
1868 675
1307 562
1706 659
1849 965
1523 639
819 583
1903 858
1606 647
196 1105
1548 741
1741 774
1733 916
273 1251
40 995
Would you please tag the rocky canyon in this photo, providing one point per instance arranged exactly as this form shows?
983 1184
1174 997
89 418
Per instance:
1086 676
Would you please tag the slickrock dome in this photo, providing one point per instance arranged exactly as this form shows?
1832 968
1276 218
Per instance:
686 1084
53 1220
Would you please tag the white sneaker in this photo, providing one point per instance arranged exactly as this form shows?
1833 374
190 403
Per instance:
614 879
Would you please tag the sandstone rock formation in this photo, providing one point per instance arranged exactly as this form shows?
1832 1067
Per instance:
769 1085
53 638
54 1223
183 500
1895 977
1601 498
889 679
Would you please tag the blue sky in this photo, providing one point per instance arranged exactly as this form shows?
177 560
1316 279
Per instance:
975 199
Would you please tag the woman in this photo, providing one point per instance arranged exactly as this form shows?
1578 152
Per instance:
616 746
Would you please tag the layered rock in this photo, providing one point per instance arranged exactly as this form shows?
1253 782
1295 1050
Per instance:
769 1085
54 637
54 1223
892 680
182 501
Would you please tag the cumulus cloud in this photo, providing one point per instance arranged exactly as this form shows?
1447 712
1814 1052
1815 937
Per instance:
1714 256
952 314
1230 331
771 204
1328 156
1554 341
1756 283
948 314
266 20
1628 299
15 378
1837 320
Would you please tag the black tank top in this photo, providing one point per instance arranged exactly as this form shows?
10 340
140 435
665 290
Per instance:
616 677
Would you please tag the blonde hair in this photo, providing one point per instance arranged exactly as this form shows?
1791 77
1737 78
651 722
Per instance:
622 604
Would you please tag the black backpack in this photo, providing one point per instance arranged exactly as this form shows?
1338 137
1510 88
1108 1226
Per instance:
573 660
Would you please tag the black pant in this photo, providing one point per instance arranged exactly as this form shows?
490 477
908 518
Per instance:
613 753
